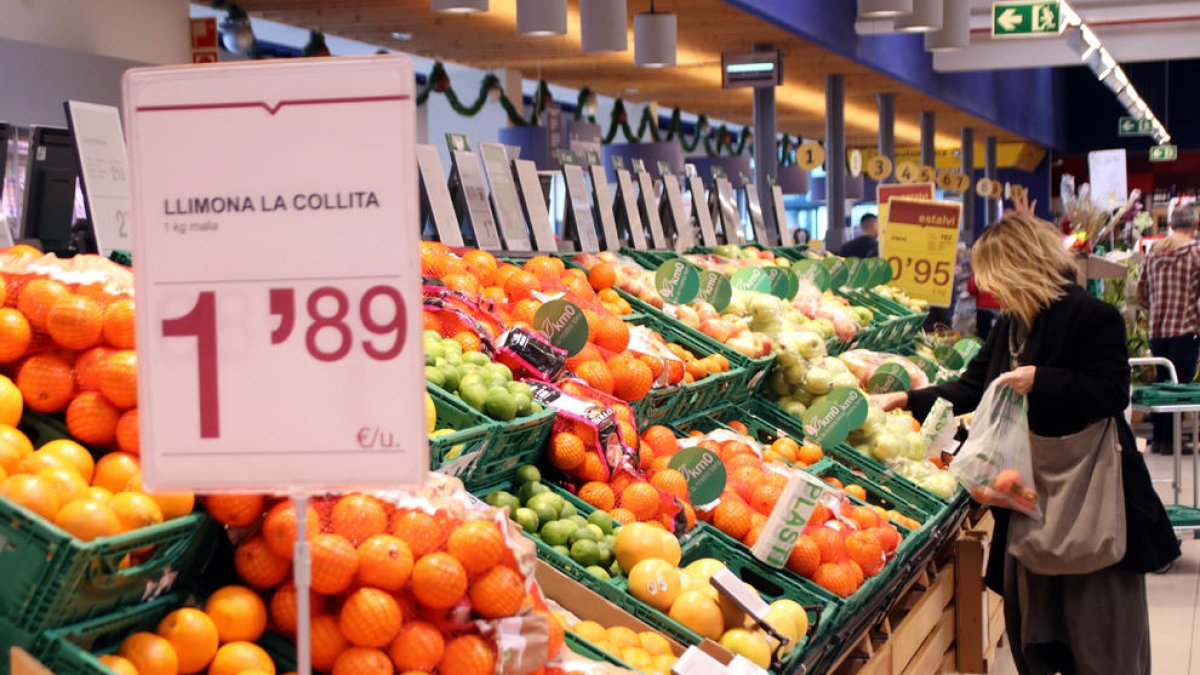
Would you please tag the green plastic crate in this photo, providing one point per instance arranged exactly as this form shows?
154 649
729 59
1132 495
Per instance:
586 649
457 454
650 260
520 441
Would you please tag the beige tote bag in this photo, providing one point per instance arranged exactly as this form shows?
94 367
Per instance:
1078 479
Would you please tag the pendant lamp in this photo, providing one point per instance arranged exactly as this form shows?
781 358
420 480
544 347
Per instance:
460 6
955 32
884 9
604 24
926 16
541 17
654 39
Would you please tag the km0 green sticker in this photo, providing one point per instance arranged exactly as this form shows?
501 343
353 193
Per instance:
784 283
677 281
751 279
813 273
968 347
704 472
860 273
564 324
888 378
880 272
949 357
838 274
830 419
715 289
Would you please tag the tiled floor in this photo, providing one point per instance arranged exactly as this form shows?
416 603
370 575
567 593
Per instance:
1174 597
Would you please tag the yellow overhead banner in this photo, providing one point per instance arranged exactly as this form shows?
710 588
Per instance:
1009 155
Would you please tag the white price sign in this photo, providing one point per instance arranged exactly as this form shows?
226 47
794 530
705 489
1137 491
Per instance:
278 311
105 172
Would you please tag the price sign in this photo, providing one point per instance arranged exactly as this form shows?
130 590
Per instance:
784 282
104 171
879 167
832 417
677 281
920 243
885 193
271 359
715 289
751 279
810 155
563 323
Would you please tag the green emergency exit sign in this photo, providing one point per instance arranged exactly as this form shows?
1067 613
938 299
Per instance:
1135 126
1164 153
1026 19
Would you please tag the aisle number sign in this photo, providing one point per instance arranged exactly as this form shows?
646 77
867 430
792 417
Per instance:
278 312
921 243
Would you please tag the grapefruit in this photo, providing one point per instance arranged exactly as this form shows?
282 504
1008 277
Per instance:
655 582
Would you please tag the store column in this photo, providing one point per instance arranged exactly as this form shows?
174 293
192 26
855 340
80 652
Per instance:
764 151
887 128
928 131
835 160
968 196
989 168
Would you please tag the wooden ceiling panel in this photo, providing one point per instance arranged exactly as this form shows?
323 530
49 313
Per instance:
706 29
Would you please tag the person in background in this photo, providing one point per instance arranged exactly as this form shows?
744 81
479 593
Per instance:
800 236
866 244
987 309
1170 288
1065 351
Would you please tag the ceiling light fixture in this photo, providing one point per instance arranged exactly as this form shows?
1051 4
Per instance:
883 9
654 35
605 25
401 36
460 6
236 34
541 18
925 17
955 32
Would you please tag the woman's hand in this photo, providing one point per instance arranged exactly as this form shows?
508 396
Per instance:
893 401
1019 379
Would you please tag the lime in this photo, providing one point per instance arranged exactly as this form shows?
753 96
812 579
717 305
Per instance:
519 388
568 510
475 395
469 378
585 552
433 352
579 520
563 550
601 520
606 555
527 519
615 569
451 346
527 473
583 534
528 490
499 371
557 532
501 498
524 404
599 573
432 335
477 358
501 404
450 377
433 375
545 512
547 499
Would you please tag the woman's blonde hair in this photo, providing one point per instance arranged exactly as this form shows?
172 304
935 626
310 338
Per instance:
1021 261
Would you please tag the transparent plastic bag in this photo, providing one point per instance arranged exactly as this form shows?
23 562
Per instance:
995 462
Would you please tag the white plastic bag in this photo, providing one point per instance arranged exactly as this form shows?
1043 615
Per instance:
995 462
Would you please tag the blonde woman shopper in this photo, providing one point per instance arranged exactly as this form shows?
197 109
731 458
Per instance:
1065 351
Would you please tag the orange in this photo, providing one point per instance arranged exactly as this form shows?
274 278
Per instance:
830 543
34 493
334 563
327 641
599 495
498 593
236 658
75 322
544 267
15 335
279 527
16 442
864 517
257 566
736 462
419 530
744 479
87 368
358 518
628 432
98 494
642 499
38 460
623 516
418 646
135 510
593 469
645 455
671 482
46 382
127 432
67 484
238 613
468 341
809 454
283 610
478 545
856 490
118 323
888 537
481 264
520 285
805 557
833 481
439 580
566 450
662 440
118 379
611 334
173 504
834 578
74 453
469 655
86 520
362 661
503 272
864 548
384 561
596 374
92 419
602 276
150 654
525 310
118 664
855 571
632 379
370 618
660 463
36 299
234 510
764 497
463 283
194 637
732 517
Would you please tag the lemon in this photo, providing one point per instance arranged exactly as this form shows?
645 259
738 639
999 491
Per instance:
750 644
430 414
590 631
654 643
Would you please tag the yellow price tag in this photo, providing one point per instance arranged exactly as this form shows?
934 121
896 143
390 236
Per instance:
879 167
928 174
921 244
907 172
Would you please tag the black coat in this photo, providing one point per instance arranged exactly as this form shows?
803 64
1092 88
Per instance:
1078 346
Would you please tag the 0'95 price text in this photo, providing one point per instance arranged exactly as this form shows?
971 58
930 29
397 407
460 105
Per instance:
920 270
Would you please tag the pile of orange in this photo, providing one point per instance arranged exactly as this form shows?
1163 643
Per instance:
85 497
391 587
